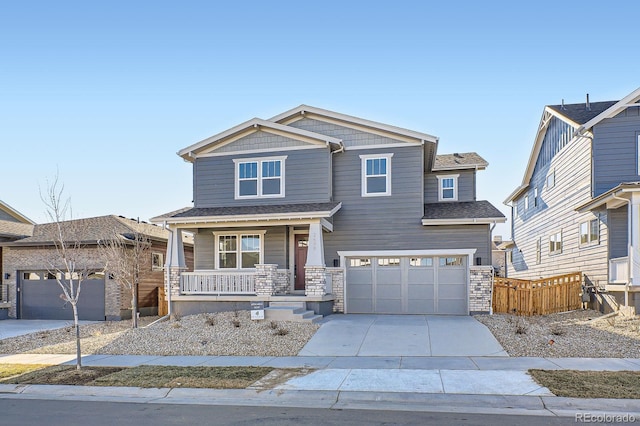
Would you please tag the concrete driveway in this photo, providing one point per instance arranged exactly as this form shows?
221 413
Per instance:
12 327
402 335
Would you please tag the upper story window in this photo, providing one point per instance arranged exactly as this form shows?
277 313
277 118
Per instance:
589 232
262 177
526 202
376 175
555 243
447 187
535 197
638 154
157 261
551 179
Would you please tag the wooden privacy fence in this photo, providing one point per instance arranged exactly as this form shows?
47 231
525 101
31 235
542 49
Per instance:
163 308
539 297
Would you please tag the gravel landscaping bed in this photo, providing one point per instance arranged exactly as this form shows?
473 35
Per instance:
228 333
569 334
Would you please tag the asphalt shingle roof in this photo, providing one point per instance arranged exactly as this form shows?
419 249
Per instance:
579 112
257 210
459 161
93 229
461 210
15 229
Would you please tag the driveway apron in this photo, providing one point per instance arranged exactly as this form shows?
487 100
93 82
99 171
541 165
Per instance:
403 336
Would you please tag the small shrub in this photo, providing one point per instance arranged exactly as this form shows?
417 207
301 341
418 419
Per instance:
281 332
557 330
236 323
211 320
273 325
521 327
176 317
176 325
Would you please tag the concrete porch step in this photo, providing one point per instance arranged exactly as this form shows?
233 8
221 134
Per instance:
290 313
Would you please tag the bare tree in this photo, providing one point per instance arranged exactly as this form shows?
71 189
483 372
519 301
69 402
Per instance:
126 255
67 264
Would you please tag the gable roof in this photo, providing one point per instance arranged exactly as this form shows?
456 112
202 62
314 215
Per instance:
578 116
251 126
91 230
307 110
456 161
14 213
461 212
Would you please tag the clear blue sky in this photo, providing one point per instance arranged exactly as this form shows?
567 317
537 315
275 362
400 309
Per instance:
107 92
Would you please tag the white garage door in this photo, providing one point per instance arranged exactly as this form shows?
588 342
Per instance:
406 285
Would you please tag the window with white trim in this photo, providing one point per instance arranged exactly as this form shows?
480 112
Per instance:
447 187
535 197
551 179
589 232
239 251
157 261
259 177
555 243
376 175
526 202
538 251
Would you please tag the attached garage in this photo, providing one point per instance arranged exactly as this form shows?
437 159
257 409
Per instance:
415 284
39 298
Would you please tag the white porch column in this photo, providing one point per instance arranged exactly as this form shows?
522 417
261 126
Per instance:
634 242
315 250
174 263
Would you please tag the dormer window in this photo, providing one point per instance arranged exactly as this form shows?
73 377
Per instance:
259 177
447 187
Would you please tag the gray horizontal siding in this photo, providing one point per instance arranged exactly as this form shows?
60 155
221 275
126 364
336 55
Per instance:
275 246
618 237
391 222
556 212
615 150
350 137
307 179
466 185
6 216
261 140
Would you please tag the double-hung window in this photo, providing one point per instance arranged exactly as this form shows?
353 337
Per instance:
262 177
555 243
239 251
447 187
376 175
589 232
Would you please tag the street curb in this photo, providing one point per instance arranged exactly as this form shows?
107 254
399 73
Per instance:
339 400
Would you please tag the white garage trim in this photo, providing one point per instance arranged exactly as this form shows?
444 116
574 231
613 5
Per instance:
387 253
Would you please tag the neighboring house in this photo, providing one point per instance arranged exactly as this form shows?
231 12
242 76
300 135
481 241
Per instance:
33 292
578 207
334 212
13 226
498 257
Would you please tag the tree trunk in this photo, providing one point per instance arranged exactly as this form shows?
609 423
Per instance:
77 325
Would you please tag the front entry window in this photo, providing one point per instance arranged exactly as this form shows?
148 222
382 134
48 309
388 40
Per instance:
239 251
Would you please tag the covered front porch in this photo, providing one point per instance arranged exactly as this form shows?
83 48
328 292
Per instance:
268 257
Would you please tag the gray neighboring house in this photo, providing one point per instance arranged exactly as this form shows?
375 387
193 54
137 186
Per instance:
31 291
578 206
13 226
332 213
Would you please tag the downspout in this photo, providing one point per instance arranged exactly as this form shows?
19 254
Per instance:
493 272
629 238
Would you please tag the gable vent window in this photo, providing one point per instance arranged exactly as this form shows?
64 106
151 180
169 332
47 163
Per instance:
447 187
259 178
376 175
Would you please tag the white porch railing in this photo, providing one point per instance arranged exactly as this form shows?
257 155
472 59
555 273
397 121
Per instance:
217 282
619 270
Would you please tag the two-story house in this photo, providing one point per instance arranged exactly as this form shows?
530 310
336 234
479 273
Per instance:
337 212
578 207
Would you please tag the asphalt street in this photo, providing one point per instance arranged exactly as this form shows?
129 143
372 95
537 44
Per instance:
82 413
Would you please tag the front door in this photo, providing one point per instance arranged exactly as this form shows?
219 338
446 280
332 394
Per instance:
302 244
